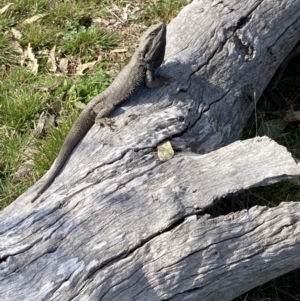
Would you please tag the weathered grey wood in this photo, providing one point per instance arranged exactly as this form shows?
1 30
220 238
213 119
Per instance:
119 224
96 245
206 259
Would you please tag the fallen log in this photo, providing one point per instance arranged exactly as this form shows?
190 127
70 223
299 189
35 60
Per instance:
118 224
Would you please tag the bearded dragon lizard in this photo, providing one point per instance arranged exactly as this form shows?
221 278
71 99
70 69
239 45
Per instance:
139 72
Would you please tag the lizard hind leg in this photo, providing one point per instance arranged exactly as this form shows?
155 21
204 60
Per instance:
102 115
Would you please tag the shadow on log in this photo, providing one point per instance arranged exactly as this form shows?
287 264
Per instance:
118 224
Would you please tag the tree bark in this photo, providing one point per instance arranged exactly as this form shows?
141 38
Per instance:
118 224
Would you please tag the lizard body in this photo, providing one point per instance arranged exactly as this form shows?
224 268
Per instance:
139 72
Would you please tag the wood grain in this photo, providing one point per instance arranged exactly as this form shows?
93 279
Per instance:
117 224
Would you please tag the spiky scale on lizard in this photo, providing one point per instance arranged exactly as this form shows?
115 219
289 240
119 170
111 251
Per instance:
139 72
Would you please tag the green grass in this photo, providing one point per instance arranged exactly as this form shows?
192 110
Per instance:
80 40
164 10
69 26
21 102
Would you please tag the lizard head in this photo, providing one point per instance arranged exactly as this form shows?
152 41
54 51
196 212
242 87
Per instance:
152 45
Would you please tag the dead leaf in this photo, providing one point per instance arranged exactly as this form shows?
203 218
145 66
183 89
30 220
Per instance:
16 33
292 116
119 50
105 22
101 21
51 59
17 47
51 121
4 8
40 126
28 59
97 20
63 65
23 57
165 151
131 11
117 9
32 63
126 10
43 52
80 105
34 18
82 67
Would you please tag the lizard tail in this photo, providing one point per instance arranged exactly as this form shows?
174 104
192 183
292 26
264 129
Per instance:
79 129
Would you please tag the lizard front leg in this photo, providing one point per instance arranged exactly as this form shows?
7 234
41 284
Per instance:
154 82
